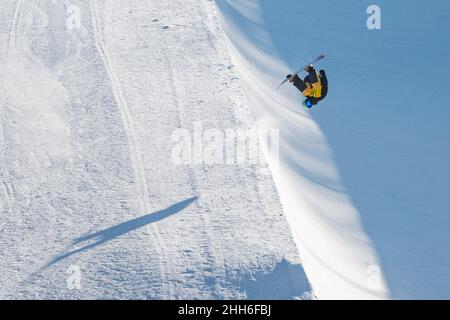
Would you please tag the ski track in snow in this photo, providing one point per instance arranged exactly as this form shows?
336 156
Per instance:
87 179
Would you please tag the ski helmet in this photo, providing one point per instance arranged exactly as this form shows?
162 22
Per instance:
307 104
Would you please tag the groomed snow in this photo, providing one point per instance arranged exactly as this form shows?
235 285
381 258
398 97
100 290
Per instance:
363 177
92 204
95 96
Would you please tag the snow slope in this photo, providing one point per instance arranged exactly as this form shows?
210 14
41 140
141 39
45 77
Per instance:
363 177
91 203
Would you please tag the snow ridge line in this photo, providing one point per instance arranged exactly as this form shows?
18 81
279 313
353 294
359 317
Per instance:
135 153
4 169
171 288
13 27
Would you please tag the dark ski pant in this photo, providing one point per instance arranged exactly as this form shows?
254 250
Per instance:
311 78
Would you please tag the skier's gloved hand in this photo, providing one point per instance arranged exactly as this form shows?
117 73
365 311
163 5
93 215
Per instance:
309 68
291 77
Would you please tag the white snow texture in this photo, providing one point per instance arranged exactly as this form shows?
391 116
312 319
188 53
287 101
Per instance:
97 95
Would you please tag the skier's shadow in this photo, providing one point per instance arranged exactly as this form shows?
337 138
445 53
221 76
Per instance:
111 233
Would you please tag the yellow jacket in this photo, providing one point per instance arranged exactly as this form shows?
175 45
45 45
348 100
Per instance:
313 89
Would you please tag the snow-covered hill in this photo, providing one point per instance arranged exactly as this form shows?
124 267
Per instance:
121 169
364 177
92 201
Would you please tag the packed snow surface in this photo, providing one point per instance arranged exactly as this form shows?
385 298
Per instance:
93 204
364 177
114 115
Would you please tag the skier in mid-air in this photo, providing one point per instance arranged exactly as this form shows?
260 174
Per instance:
314 86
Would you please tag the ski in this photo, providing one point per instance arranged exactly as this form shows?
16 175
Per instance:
300 70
